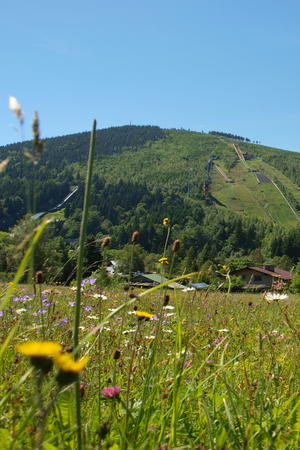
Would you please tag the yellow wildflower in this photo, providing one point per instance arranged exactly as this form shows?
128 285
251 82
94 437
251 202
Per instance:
68 368
66 363
40 353
163 261
143 315
166 221
42 349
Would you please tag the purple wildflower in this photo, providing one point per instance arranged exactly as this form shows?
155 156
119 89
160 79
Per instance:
46 303
63 320
217 340
21 299
156 317
111 392
40 311
88 308
88 281
71 303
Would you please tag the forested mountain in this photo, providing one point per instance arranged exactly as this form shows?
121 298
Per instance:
225 197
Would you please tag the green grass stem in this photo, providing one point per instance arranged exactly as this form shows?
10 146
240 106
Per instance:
80 260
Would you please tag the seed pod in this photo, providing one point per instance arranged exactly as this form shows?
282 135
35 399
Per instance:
176 245
166 299
103 430
106 241
39 277
35 128
82 388
117 354
135 236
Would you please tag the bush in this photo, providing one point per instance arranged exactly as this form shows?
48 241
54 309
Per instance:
6 276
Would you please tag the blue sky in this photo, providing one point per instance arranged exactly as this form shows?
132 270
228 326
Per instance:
228 65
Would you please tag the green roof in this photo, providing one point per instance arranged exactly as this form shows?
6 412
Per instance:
152 276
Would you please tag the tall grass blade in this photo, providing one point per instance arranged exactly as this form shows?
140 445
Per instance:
8 339
80 270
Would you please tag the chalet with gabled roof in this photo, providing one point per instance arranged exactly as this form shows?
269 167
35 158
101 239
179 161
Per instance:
262 277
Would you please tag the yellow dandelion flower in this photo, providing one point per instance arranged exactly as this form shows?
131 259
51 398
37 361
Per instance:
66 363
68 368
40 353
166 221
143 315
163 261
42 349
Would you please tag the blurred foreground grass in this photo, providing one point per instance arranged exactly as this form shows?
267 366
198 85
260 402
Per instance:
224 373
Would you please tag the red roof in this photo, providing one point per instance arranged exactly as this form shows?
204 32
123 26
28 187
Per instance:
276 272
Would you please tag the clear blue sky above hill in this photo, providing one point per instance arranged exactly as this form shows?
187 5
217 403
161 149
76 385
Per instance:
227 65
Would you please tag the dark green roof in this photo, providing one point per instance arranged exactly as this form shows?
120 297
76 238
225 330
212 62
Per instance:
152 277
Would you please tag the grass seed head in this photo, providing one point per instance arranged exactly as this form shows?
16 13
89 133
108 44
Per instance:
135 236
166 299
15 106
39 277
176 245
106 241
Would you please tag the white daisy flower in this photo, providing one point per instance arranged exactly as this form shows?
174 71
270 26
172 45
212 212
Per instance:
274 296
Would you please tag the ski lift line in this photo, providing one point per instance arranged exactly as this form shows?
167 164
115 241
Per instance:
238 152
221 172
282 194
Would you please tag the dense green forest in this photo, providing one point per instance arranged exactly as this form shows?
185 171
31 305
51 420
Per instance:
142 174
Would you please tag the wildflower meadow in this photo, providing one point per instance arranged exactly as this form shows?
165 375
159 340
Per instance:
89 367
162 370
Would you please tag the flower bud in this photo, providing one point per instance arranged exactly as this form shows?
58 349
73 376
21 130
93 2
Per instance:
176 245
106 241
135 236
166 299
39 277
117 354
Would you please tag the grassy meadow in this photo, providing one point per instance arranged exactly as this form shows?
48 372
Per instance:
85 367
207 370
